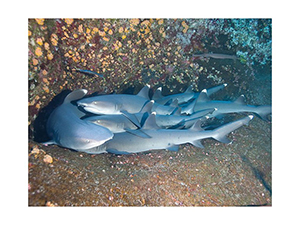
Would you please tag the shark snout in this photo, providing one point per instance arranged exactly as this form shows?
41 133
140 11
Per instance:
82 104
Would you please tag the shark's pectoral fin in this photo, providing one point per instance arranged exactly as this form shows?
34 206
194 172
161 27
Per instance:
174 148
197 143
117 152
222 139
132 118
139 133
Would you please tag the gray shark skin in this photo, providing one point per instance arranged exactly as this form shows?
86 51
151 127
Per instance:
118 123
117 103
65 128
237 106
127 143
183 97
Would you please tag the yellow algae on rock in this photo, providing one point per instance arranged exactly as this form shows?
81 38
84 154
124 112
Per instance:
102 33
105 39
54 39
38 51
47 46
134 22
80 29
69 21
48 159
40 21
39 41
46 89
44 72
50 56
35 61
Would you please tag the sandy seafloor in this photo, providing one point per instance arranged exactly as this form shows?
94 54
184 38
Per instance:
238 174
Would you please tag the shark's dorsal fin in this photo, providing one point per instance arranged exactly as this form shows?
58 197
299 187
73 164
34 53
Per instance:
75 95
197 126
203 97
147 107
189 109
189 89
240 100
144 92
157 94
150 123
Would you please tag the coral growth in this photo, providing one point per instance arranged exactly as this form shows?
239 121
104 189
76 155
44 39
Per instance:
133 52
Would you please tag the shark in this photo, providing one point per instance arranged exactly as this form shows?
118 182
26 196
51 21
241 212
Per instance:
118 123
66 129
118 103
183 97
224 107
128 143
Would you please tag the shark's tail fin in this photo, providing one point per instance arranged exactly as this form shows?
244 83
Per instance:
263 112
220 133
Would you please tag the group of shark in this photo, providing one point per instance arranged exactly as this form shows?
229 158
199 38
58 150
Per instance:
125 124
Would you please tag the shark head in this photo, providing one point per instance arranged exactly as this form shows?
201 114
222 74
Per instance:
88 135
95 106
66 129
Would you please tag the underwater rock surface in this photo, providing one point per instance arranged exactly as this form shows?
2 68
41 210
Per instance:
219 175
161 52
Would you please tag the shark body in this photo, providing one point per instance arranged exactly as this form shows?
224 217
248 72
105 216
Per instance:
118 123
118 103
127 143
183 97
65 128
224 107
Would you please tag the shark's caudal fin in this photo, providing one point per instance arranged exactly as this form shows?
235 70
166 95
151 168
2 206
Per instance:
263 112
220 133
75 95
213 90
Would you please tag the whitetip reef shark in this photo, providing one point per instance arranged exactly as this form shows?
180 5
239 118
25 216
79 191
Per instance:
65 128
118 103
127 143
118 123
183 97
237 106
